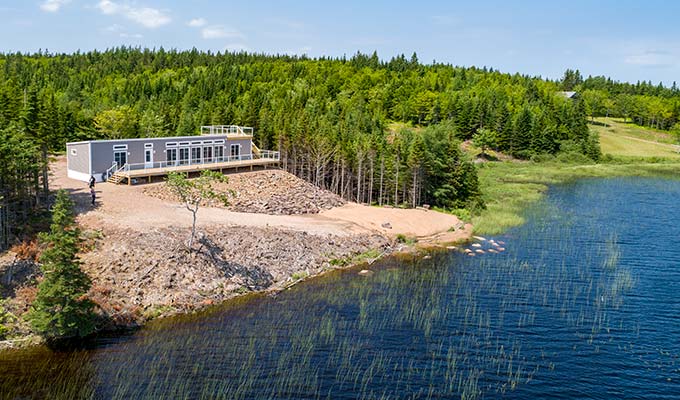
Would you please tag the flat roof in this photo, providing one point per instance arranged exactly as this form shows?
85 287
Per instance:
192 137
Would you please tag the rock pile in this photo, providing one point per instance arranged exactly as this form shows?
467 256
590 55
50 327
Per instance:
267 192
141 275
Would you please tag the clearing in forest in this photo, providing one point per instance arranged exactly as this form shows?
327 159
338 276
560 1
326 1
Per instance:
626 139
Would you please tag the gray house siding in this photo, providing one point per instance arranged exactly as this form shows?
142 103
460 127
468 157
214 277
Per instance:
102 156
78 160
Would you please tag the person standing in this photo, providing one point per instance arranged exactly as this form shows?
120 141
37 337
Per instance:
92 181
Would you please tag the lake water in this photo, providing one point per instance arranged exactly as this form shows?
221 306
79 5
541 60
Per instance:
583 303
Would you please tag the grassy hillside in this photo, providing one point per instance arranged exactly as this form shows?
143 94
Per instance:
629 140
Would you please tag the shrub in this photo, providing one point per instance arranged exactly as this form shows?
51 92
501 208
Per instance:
27 250
463 214
5 319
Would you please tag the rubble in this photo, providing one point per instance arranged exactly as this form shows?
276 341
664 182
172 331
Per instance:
274 192
141 275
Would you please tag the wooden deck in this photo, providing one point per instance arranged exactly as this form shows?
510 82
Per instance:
148 173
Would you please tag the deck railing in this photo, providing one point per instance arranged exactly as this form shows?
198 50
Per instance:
234 160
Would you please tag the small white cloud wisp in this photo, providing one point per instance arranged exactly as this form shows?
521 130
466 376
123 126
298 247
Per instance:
53 5
197 22
145 16
220 32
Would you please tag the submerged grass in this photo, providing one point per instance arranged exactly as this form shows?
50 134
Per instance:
444 327
510 187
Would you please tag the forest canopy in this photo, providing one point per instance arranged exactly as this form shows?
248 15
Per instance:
373 131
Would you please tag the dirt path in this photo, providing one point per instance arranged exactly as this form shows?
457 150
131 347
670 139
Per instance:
128 207
674 147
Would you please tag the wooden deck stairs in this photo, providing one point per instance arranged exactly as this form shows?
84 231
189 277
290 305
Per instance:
116 178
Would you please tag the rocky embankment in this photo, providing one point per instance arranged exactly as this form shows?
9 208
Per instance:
139 276
273 192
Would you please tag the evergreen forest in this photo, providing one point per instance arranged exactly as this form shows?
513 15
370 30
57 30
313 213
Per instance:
371 130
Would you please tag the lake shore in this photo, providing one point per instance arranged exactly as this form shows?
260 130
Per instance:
135 250
510 187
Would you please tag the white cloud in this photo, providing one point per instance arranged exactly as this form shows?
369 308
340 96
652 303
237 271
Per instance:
145 16
197 22
53 5
220 32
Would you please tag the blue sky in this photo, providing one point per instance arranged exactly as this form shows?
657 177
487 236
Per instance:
627 40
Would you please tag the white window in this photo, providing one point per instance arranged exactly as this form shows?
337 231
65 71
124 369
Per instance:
148 145
120 147
74 152
183 143
171 144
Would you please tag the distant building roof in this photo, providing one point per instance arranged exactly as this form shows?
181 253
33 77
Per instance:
568 95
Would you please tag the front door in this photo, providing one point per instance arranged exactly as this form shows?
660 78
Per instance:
219 153
195 155
184 156
171 157
148 158
120 157
207 154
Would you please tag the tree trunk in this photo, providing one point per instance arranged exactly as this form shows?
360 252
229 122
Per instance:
396 183
342 179
370 184
359 199
382 172
415 187
193 229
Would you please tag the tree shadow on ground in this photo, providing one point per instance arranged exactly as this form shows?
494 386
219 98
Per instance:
15 275
83 200
255 277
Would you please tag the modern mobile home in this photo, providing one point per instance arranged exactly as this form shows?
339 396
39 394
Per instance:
218 147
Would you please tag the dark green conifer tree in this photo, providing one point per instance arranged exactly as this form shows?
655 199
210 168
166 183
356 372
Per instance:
61 308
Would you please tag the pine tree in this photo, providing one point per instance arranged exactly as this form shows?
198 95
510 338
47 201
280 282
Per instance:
485 139
522 136
61 308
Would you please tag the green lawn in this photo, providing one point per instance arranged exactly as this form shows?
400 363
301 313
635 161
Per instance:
629 140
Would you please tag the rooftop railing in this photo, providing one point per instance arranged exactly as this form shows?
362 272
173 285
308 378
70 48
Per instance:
231 130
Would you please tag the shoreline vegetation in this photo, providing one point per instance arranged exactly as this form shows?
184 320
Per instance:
510 187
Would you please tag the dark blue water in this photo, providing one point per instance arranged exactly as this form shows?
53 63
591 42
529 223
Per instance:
583 303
